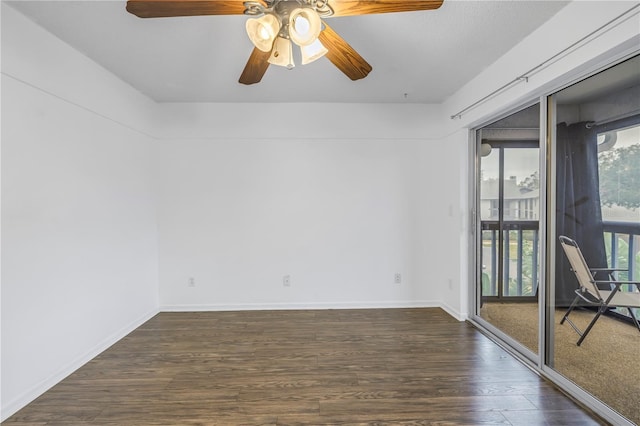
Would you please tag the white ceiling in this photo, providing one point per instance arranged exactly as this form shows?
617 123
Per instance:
416 56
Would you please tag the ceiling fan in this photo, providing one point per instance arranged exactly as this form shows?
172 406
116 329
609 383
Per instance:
278 24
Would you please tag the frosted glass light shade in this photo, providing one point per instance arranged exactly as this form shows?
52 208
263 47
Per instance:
485 149
263 31
304 26
310 53
282 53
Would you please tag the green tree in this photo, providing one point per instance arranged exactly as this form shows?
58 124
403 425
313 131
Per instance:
531 182
619 171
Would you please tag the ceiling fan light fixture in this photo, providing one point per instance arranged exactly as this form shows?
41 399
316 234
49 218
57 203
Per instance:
282 53
263 31
304 26
312 52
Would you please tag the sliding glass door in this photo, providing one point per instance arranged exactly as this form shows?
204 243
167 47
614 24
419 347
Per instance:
595 196
508 210
581 183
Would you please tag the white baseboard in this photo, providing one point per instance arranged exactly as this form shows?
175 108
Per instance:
13 406
460 316
300 306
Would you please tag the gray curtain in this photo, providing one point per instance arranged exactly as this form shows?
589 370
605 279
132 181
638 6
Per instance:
578 212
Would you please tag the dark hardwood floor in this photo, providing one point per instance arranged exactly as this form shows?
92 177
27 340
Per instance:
387 366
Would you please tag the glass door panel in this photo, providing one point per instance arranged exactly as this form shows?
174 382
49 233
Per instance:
596 154
508 209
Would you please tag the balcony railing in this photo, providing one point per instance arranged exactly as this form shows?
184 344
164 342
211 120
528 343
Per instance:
519 264
622 242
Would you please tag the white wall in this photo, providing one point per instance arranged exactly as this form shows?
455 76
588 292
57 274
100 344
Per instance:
236 139
335 205
443 213
318 121
79 242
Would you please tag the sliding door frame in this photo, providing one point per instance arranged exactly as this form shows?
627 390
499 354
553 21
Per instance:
542 362
509 343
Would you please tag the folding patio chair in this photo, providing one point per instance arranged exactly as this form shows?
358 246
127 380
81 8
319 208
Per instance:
589 292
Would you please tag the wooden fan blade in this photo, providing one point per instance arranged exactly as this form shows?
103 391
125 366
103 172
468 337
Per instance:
366 7
167 8
343 56
256 67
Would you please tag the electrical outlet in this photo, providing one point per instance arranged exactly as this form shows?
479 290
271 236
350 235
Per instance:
450 284
397 278
191 282
286 281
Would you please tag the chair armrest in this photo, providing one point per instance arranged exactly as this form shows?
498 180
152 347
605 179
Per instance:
608 269
618 283
610 272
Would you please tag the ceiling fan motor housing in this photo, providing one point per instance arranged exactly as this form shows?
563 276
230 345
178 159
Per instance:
287 13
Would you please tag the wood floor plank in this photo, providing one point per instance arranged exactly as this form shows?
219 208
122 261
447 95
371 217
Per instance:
347 367
417 407
568 417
